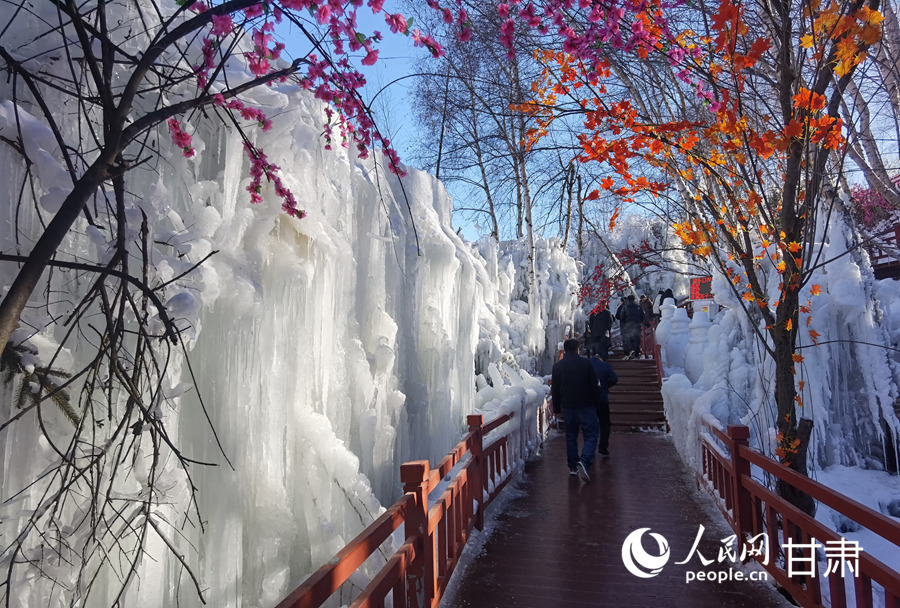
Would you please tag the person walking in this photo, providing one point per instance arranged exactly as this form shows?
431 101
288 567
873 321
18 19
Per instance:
606 379
620 310
668 295
600 324
656 302
632 317
575 391
647 326
647 306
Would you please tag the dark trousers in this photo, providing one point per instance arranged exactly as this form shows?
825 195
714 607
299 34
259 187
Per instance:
584 418
599 345
631 338
605 427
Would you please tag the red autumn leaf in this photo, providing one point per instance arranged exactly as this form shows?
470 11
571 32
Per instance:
728 13
612 220
793 128
760 46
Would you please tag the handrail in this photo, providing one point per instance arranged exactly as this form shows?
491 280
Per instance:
435 535
649 346
860 513
327 579
496 422
657 355
752 509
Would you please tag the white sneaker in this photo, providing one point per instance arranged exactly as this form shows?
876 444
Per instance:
582 473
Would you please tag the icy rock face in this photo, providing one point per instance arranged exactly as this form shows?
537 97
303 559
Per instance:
541 327
849 379
685 409
327 351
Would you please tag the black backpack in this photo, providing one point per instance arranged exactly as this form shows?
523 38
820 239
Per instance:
632 313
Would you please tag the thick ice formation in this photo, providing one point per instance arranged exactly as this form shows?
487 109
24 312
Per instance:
850 375
326 351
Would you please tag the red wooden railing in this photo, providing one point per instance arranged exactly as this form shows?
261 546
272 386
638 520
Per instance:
657 356
752 508
650 346
434 535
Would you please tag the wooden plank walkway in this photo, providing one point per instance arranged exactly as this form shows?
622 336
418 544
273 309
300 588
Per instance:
559 544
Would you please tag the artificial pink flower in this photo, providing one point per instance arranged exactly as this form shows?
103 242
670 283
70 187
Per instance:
396 22
253 11
371 57
222 25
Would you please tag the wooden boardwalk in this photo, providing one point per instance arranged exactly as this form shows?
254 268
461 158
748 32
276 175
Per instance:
559 544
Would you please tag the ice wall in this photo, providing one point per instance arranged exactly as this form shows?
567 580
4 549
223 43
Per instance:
326 352
356 337
849 373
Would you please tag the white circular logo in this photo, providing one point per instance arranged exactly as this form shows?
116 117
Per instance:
639 562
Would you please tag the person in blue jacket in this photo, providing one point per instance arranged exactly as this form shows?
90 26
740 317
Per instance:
606 379
576 392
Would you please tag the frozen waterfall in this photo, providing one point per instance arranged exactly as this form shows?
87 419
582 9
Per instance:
326 351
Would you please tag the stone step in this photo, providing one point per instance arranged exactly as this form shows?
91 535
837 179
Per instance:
629 404
650 413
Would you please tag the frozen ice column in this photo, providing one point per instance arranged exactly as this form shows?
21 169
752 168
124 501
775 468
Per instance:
699 340
678 337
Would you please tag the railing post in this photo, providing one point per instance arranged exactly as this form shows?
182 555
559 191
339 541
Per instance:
540 419
414 476
657 354
743 502
476 421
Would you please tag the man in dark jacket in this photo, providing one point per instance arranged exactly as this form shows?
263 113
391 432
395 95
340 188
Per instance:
632 317
620 310
606 379
576 393
600 323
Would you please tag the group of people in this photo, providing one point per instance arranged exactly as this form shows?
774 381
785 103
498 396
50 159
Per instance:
632 316
580 386
580 391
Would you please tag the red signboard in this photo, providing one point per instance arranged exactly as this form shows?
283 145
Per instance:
701 288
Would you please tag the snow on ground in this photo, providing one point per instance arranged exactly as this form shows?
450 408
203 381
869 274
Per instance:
874 489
